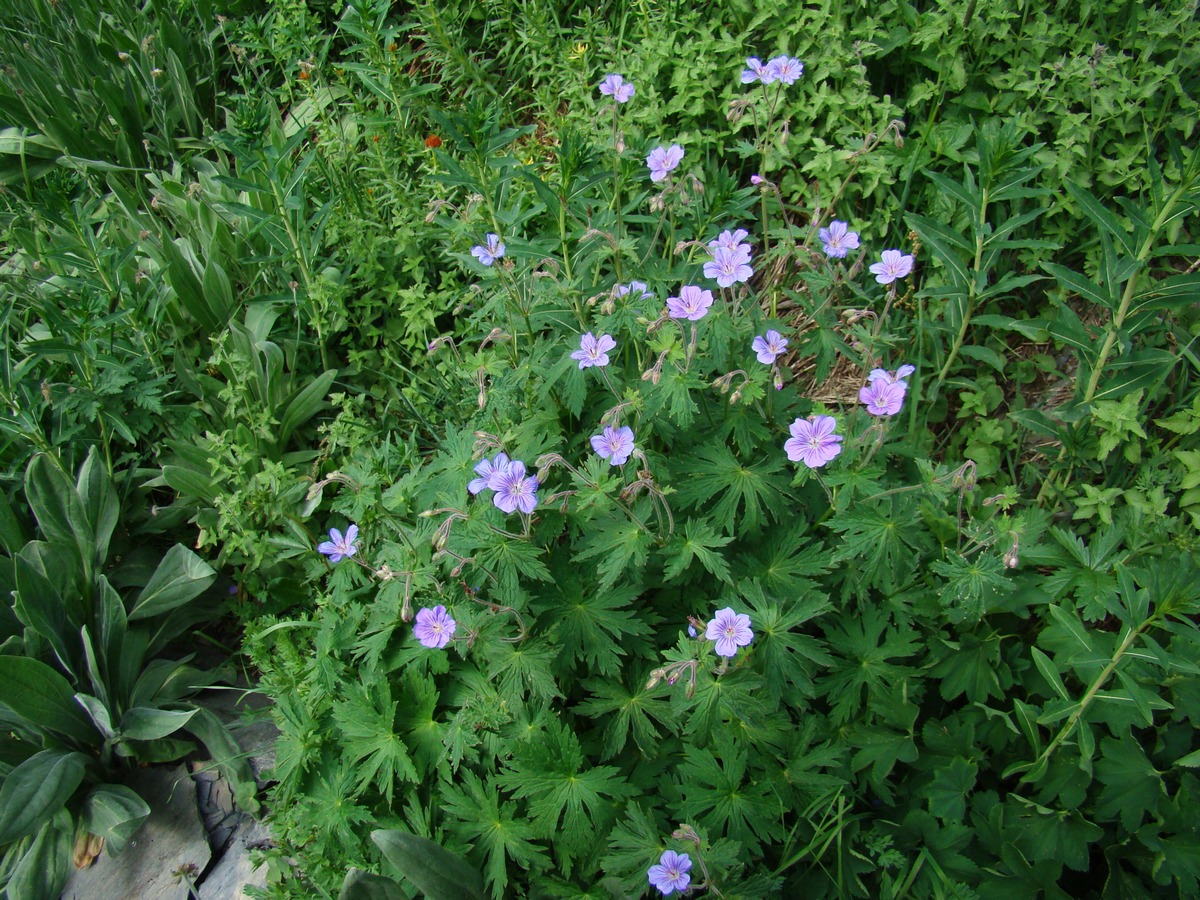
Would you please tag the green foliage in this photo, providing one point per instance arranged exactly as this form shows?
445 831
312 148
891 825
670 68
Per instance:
971 671
84 690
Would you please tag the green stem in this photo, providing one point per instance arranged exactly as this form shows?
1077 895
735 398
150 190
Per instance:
971 288
1114 328
1092 691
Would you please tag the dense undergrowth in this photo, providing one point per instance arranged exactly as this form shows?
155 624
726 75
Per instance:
771 472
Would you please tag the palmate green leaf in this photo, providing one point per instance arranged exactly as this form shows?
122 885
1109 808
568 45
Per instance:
881 748
509 560
417 720
328 803
622 547
717 792
568 799
785 657
878 539
744 492
632 711
791 558
493 827
952 783
634 845
864 648
968 665
699 542
523 671
1055 835
370 741
1132 786
970 583
592 627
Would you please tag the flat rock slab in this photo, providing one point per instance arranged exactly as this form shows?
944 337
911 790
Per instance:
234 872
171 841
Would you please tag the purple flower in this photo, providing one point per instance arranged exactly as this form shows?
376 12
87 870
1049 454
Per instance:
663 160
896 378
492 252
487 470
730 630
785 69
671 873
756 71
731 240
513 490
337 547
894 265
614 444
838 240
883 398
691 304
634 287
617 87
729 266
434 627
593 351
756 180
813 441
768 346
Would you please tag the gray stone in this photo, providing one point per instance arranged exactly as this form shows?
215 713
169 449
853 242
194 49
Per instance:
234 871
170 843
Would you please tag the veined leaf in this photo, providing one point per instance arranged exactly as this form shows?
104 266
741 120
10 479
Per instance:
37 789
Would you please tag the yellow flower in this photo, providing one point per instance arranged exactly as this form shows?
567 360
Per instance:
578 50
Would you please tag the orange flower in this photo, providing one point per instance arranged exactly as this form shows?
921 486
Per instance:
304 76
433 141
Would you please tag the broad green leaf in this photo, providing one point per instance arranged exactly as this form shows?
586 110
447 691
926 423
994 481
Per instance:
1083 286
12 531
115 813
1049 672
360 885
56 505
37 789
145 724
45 867
180 577
1103 218
100 504
43 698
946 244
305 404
1132 787
436 872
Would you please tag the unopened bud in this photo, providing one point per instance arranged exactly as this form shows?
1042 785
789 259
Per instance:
654 680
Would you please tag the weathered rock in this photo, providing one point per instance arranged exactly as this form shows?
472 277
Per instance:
234 872
167 853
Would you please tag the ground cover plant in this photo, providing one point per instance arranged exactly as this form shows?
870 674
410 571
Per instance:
752 455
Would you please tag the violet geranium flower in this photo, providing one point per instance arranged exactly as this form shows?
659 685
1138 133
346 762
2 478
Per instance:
434 627
487 469
883 398
785 69
893 265
896 377
691 304
757 70
729 267
637 288
730 630
663 160
492 252
769 346
838 240
617 87
671 872
339 547
732 240
813 441
614 444
593 351
514 490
